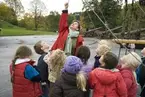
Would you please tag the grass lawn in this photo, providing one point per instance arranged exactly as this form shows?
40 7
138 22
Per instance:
22 31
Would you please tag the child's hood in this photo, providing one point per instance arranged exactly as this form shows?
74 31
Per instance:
106 76
19 61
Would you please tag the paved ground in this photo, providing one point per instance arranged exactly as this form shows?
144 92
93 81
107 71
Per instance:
8 46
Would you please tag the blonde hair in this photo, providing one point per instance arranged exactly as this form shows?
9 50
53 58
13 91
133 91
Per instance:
103 42
56 62
81 81
131 60
57 58
102 49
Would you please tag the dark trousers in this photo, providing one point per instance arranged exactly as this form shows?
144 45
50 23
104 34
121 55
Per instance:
45 90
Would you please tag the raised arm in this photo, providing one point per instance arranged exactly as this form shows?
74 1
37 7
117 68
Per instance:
63 22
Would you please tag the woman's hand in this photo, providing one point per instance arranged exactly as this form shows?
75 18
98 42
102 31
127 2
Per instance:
66 6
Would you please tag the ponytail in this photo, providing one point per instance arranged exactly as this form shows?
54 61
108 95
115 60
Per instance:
22 52
81 81
13 68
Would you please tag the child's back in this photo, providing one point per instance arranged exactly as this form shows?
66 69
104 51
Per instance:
71 83
25 79
55 63
107 83
129 64
84 54
23 87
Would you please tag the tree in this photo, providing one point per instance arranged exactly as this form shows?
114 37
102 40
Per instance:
27 21
90 19
16 5
71 17
133 18
111 10
38 7
7 14
52 21
108 10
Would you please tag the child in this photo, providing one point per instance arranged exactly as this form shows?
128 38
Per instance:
129 64
55 64
71 83
141 73
25 79
103 42
101 50
84 53
107 81
41 47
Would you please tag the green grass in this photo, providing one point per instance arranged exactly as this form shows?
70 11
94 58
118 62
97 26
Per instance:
22 31
4 24
12 30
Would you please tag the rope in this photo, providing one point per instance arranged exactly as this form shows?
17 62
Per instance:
131 18
89 15
112 33
141 8
99 39
102 14
125 18
91 19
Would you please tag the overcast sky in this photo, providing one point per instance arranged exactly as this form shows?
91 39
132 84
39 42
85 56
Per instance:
58 5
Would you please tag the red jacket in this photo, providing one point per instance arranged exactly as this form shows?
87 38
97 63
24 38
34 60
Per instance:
21 86
63 33
130 81
106 83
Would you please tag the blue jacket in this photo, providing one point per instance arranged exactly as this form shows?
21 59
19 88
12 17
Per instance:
31 73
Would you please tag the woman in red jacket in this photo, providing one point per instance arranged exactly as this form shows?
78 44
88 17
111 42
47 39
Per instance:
106 81
129 64
69 38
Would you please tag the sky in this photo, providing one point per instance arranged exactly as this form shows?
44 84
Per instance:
57 5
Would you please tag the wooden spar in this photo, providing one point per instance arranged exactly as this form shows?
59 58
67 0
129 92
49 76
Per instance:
128 41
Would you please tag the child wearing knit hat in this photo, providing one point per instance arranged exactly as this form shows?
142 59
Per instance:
72 82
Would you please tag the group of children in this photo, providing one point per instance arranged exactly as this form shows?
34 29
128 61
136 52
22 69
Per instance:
59 75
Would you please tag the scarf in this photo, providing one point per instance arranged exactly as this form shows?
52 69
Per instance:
69 43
